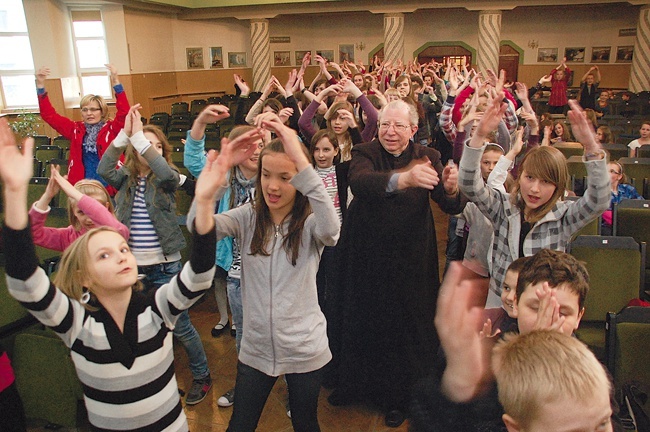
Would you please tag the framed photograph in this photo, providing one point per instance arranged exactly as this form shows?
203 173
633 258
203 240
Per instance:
574 55
236 59
299 56
281 58
326 54
547 55
194 58
600 54
346 52
216 57
624 54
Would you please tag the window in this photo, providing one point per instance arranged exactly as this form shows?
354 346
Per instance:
90 50
16 62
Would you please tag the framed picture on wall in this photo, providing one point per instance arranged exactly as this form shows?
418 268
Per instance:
600 54
547 55
624 54
216 57
326 54
299 56
236 59
346 52
194 58
281 58
574 55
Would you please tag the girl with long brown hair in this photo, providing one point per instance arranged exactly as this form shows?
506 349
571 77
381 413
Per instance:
282 235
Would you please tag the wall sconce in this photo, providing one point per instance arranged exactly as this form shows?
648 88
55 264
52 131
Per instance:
533 44
360 46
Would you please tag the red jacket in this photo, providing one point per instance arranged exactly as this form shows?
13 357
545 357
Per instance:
76 130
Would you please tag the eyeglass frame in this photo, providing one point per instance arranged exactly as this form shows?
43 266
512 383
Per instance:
90 109
396 127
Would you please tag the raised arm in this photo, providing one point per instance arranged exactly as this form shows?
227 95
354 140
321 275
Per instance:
194 154
61 124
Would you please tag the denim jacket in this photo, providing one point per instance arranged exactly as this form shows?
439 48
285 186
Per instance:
159 195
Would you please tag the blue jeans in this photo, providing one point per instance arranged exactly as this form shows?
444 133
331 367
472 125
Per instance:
233 286
252 390
454 251
156 276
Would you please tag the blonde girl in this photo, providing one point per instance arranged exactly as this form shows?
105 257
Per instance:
282 235
145 202
533 216
119 338
89 206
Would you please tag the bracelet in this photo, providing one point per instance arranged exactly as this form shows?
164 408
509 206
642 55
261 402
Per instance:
302 90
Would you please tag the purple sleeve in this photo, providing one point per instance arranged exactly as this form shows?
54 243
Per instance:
308 130
459 143
370 130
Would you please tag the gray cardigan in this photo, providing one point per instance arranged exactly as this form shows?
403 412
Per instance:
159 195
284 328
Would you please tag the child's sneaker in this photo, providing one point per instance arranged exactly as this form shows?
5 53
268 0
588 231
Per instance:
227 399
199 390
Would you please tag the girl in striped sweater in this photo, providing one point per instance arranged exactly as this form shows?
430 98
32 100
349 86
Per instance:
119 337
145 202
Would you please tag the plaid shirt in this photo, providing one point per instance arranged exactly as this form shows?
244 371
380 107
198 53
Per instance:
553 231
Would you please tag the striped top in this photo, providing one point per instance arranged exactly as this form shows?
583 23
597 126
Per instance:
328 176
128 377
143 240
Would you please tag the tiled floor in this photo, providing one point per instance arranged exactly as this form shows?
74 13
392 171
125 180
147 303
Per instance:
208 417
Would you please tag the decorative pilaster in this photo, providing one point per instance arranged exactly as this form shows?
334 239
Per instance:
394 37
640 73
261 56
489 36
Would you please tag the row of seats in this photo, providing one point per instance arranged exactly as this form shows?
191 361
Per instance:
637 171
618 273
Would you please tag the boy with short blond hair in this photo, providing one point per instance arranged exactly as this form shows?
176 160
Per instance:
548 381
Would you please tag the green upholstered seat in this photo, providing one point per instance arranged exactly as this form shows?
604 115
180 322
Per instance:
615 266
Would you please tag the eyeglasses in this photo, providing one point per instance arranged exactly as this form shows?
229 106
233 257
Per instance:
396 126
90 109
614 172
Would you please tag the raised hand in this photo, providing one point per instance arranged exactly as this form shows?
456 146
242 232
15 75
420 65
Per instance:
115 79
128 120
458 322
291 81
213 114
331 90
136 120
347 117
66 186
292 146
285 114
548 314
16 168
241 84
517 145
233 152
41 76
521 90
278 87
490 121
582 128
450 178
